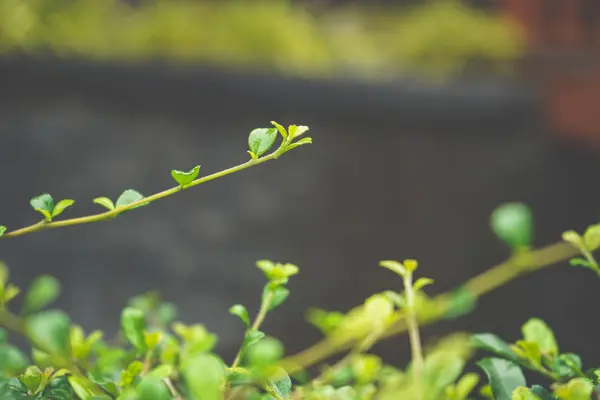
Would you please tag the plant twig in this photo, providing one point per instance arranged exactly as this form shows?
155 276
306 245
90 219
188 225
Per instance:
165 193
479 285
413 333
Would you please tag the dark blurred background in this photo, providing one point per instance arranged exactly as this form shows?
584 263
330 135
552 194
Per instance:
425 116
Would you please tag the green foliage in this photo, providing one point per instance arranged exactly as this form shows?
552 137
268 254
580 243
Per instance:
43 291
504 376
435 39
185 178
156 357
261 140
513 223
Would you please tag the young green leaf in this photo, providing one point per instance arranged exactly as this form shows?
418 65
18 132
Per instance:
421 283
61 206
166 313
297 131
49 331
44 204
129 196
204 376
523 393
267 351
162 371
105 202
575 389
251 338
2 230
42 291
152 388
185 178
580 262
574 238
536 330
493 344
462 302
393 266
591 237
12 360
133 323
299 143
9 293
542 393
465 385
513 223
504 377
280 383
241 312
32 378
84 388
281 129
261 140
278 295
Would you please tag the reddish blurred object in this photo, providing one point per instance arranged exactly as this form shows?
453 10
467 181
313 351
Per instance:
564 47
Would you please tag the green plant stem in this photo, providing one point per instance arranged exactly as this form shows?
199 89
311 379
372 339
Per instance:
413 333
172 389
481 284
165 193
12 323
260 318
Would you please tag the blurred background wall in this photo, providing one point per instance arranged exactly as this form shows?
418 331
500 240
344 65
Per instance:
423 118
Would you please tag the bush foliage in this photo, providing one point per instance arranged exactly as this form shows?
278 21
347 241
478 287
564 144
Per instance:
434 39
155 357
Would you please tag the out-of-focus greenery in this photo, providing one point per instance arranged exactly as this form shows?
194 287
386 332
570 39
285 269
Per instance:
436 38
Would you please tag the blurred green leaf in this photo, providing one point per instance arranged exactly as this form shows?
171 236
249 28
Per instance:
267 351
84 388
49 331
493 344
43 204
43 290
542 393
166 312
421 283
12 360
461 302
591 237
513 223
133 323
251 338
61 206
504 377
105 202
465 385
162 371
281 129
129 196
241 312
297 131
536 330
278 295
299 143
204 375
575 389
152 388
185 178
280 383
366 367
523 393
31 378
261 140
2 230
